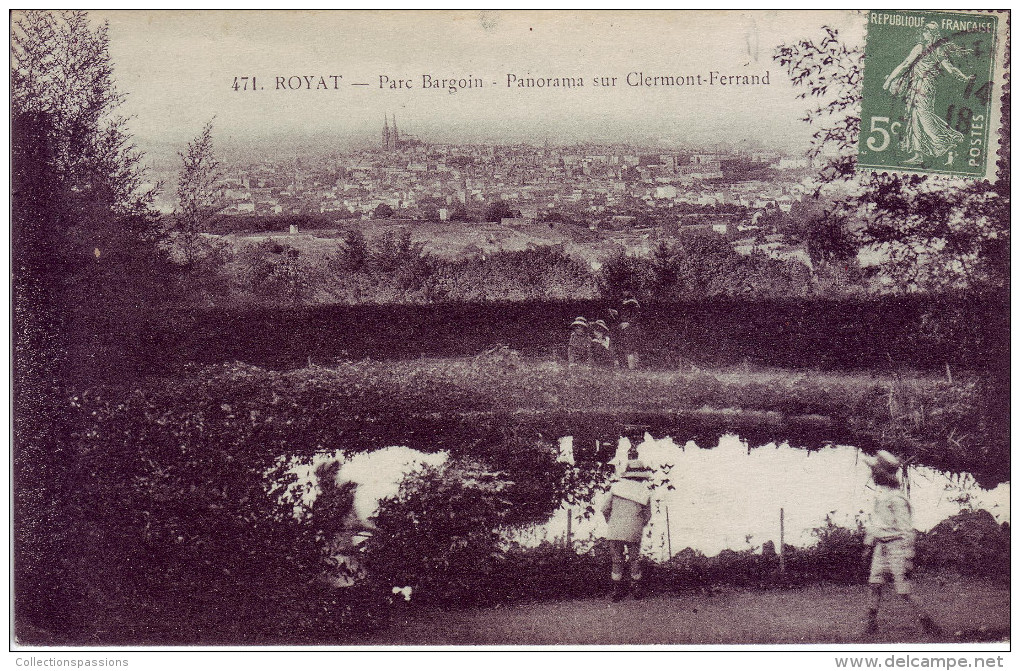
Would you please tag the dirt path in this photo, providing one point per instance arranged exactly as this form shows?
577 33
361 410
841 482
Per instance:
967 610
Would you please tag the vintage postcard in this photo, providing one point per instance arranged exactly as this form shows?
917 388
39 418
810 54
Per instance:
570 329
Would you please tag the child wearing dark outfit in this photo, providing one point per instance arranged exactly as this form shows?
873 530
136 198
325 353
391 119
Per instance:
603 355
579 350
631 333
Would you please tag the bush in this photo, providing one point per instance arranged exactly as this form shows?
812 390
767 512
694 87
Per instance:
838 556
970 543
443 533
552 571
173 499
438 535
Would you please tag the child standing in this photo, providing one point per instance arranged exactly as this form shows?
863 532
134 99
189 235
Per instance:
602 347
579 347
631 333
891 533
627 509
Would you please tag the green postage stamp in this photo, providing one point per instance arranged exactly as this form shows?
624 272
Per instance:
931 97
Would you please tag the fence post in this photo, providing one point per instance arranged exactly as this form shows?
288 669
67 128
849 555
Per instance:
570 515
782 541
669 541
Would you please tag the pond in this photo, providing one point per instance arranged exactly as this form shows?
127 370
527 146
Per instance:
728 496
724 496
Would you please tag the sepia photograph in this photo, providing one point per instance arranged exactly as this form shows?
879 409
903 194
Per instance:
511 329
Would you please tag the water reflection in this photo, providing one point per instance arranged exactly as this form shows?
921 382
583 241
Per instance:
725 496
730 497
378 474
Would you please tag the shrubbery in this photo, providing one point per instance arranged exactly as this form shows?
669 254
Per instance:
970 544
698 267
394 268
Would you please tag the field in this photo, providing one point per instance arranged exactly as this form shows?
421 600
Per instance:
454 239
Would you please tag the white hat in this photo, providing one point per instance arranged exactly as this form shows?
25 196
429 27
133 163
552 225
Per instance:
883 461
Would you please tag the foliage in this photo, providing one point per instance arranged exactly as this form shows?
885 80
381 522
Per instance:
933 232
700 266
90 152
353 255
395 250
551 571
196 194
180 505
970 543
273 272
439 534
395 268
461 213
836 557
85 246
498 211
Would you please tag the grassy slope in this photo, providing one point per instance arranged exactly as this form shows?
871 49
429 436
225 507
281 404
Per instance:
444 403
920 408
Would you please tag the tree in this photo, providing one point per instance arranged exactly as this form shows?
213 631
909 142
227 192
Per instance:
62 76
460 213
85 249
197 199
352 256
383 211
933 232
498 211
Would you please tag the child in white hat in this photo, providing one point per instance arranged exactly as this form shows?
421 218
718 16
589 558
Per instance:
627 509
891 534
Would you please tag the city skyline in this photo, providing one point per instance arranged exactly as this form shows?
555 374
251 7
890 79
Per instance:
329 77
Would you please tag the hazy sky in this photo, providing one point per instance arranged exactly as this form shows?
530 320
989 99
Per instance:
177 68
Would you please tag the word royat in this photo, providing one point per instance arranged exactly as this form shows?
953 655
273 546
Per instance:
309 82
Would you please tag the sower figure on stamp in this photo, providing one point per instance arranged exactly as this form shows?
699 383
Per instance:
627 509
891 534
925 134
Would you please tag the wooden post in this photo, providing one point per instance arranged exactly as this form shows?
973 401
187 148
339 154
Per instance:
669 541
782 541
570 515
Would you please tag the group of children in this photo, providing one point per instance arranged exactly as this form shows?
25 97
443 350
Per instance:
890 535
610 342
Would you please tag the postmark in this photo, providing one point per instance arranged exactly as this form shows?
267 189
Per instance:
930 93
